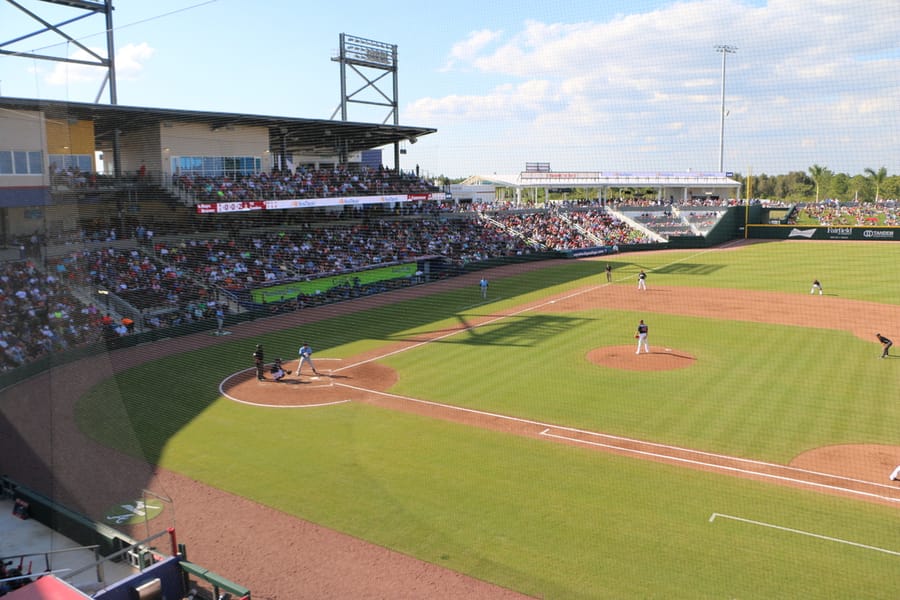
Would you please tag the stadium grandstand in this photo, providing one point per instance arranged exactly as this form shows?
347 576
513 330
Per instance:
119 221
122 225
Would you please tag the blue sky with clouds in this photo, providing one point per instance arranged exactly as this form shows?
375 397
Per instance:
620 85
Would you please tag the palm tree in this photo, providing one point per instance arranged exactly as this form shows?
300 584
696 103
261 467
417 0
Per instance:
817 173
878 177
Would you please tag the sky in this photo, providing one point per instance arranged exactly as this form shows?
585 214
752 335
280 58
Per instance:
582 85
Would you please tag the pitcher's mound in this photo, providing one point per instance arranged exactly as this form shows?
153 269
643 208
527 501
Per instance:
623 357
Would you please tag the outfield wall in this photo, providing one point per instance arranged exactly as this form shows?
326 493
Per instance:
785 232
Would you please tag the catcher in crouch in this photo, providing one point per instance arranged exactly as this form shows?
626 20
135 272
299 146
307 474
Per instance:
278 371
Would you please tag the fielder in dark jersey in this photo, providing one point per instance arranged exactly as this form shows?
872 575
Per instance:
884 342
641 335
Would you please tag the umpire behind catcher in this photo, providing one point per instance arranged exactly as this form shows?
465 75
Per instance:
260 362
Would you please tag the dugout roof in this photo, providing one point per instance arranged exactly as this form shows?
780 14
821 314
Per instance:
302 136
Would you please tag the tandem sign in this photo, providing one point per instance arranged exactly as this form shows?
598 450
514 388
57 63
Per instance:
781 232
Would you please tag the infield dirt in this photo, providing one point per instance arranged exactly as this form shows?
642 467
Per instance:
279 556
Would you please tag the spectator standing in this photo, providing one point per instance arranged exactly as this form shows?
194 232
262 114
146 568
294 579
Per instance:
220 320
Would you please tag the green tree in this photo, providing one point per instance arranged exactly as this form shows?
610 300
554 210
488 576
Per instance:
859 185
891 187
839 186
818 175
763 186
877 178
797 185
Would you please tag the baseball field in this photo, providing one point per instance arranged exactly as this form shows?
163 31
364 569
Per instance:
520 442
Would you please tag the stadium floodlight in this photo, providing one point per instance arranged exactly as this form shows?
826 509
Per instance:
725 50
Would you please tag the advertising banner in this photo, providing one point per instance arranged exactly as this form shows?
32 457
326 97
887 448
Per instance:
206 208
794 232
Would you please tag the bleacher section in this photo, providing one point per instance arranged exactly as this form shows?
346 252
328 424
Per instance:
119 277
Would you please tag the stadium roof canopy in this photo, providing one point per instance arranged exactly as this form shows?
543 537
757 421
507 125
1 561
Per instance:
606 179
304 136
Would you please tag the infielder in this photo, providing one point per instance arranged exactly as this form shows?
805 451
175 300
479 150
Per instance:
305 353
641 335
816 286
642 281
886 343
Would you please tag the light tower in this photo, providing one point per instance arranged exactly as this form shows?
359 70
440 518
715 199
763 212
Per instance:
725 50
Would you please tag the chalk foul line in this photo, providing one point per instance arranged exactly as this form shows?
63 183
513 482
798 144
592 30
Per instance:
713 517
668 457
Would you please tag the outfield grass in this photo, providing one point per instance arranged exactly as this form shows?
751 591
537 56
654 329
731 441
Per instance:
556 521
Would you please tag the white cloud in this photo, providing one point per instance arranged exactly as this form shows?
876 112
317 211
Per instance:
130 60
805 72
503 102
466 50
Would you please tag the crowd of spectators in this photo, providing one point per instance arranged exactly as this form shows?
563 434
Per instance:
310 252
41 315
847 214
665 222
607 229
700 220
175 280
555 229
694 201
302 183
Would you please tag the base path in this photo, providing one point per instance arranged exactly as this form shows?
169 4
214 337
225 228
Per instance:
295 559
858 471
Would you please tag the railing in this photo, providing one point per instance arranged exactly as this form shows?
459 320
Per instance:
48 566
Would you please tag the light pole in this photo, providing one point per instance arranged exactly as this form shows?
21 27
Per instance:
725 50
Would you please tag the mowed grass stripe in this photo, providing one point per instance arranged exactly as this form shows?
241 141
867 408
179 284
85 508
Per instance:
549 520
